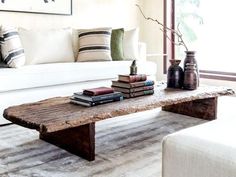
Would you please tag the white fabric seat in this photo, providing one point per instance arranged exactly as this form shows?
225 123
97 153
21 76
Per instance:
207 150
32 76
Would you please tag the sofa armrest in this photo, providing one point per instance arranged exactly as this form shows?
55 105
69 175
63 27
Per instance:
142 49
201 151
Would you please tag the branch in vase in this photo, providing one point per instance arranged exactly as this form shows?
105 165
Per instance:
179 43
165 28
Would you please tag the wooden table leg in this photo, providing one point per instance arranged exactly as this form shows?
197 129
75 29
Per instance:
79 140
203 108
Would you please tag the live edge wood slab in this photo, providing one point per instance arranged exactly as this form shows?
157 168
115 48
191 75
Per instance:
72 127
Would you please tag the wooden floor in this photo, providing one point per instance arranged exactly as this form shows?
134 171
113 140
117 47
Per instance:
126 147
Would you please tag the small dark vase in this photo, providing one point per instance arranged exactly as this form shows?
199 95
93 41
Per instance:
175 75
190 77
190 58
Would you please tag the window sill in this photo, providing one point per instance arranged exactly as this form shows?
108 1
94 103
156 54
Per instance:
218 75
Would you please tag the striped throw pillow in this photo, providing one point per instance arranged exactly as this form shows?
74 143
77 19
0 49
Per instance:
1 61
11 47
94 45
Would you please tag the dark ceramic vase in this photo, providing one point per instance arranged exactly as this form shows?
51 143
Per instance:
175 75
190 58
190 77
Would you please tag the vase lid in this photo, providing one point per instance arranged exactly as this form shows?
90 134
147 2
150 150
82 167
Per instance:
190 52
175 62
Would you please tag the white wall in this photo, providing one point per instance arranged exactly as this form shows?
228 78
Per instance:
86 13
151 34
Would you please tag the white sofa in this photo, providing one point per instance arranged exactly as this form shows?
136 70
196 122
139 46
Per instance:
207 150
36 82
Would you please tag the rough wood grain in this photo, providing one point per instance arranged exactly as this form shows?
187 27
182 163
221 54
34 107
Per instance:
79 140
203 108
56 114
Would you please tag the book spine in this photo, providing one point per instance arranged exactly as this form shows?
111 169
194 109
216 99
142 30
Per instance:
82 97
132 78
136 94
138 89
80 103
137 78
131 90
119 89
97 98
107 101
106 97
149 83
148 92
89 104
120 84
140 84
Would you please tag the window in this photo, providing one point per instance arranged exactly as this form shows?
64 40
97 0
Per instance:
208 28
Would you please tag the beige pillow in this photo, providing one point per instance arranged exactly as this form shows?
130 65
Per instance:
47 46
130 44
94 45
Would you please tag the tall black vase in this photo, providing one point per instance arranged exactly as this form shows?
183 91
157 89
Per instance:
175 75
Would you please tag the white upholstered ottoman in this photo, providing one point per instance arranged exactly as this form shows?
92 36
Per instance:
207 150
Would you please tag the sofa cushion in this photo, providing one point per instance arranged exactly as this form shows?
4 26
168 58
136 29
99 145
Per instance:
47 46
94 45
11 47
65 73
130 44
117 52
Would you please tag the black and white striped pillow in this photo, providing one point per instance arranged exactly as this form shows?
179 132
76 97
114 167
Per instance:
11 47
2 64
94 45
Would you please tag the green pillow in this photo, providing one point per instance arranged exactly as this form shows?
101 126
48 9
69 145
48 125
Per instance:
117 44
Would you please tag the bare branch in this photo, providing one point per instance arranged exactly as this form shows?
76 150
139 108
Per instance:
177 32
175 43
179 29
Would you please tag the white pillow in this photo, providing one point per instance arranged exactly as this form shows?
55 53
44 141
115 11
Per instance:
11 47
75 41
95 45
47 46
130 44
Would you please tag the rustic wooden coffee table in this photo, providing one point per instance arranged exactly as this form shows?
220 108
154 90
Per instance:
72 127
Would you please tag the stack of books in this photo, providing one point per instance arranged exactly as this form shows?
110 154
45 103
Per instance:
133 85
96 96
